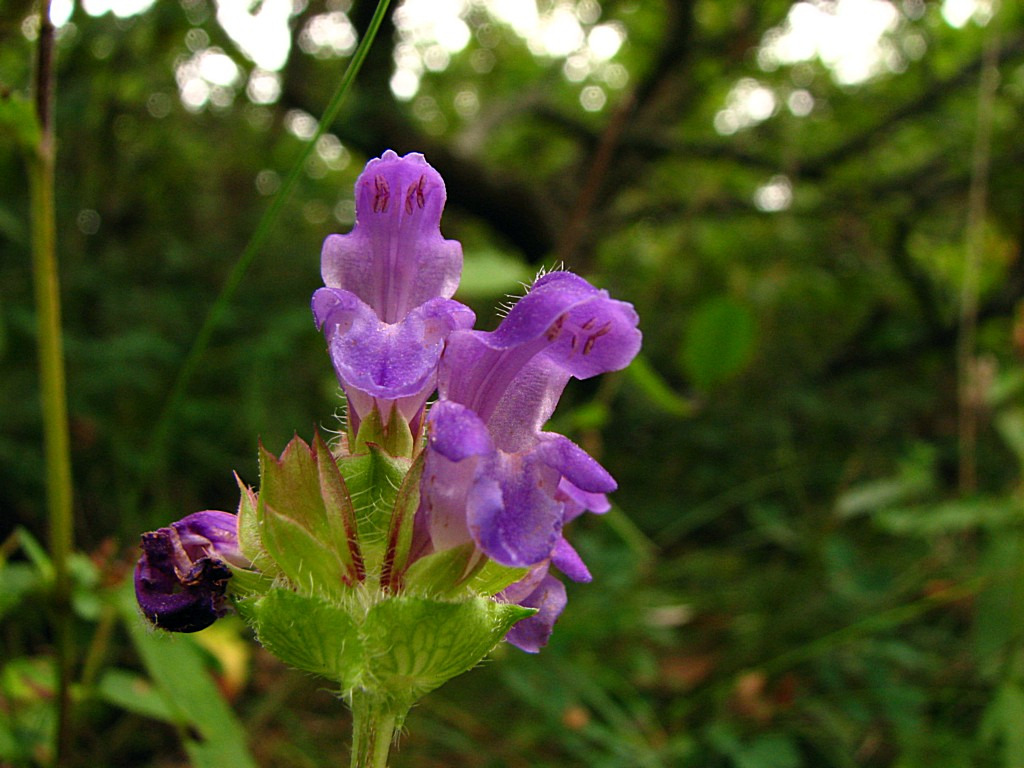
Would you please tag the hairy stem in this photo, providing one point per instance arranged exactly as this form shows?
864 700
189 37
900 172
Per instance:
374 726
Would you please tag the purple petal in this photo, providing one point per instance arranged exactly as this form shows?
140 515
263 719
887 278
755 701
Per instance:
443 490
548 298
386 362
578 328
531 634
528 403
457 433
512 511
476 375
513 505
577 501
457 441
520 590
395 258
568 561
573 463
211 533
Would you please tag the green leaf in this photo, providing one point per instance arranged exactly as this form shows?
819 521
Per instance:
414 644
1010 425
398 439
246 583
371 430
772 750
459 572
999 610
914 479
493 577
27 716
768 751
1002 723
654 387
489 273
212 736
291 485
719 341
18 121
35 552
10 750
17 582
307 633
248 524
27 679
134 693
338 509
13 228
395 438
949 517
1008 385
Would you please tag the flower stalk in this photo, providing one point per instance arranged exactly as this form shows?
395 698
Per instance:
374 727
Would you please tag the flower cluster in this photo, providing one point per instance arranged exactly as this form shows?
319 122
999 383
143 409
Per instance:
469 498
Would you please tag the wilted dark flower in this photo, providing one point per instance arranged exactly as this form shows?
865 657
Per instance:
183 573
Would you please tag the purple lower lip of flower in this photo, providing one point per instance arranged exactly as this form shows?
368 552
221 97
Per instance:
182 576
515 510
380 363
566 559
544 592
513 505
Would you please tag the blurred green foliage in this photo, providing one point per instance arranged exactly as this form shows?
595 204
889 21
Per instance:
793 575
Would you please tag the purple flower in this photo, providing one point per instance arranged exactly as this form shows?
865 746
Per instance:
183 573
492 476
386 308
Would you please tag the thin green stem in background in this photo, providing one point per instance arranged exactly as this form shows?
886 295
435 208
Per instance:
52 386
162 425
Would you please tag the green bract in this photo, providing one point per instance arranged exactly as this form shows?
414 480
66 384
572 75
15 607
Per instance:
332 590
398 648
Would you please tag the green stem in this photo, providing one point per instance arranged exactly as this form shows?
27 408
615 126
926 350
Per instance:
52 388
161 430
375 722
99 646
972 397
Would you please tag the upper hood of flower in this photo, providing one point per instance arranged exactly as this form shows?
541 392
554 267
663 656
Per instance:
395 258
512 377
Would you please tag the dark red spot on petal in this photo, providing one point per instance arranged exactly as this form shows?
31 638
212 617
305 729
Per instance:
381 194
